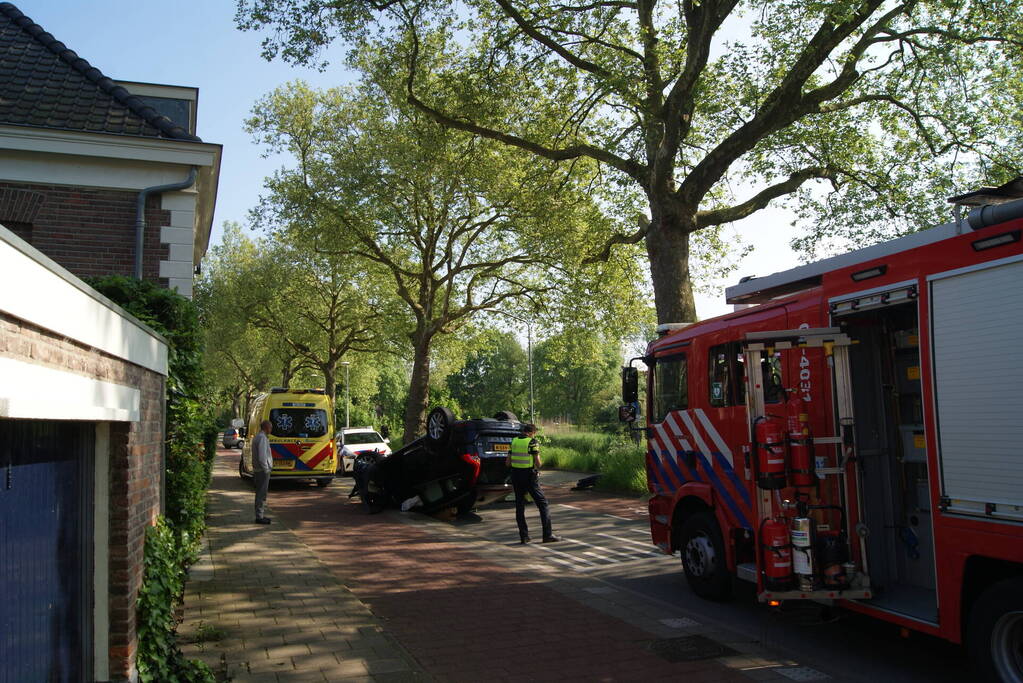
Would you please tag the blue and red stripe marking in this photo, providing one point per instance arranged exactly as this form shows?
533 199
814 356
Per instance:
667 465
294 452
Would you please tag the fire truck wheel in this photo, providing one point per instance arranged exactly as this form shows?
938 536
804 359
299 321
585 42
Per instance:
703 557
994 633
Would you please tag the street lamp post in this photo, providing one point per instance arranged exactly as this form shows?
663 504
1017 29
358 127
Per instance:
529 358
347 394
529 364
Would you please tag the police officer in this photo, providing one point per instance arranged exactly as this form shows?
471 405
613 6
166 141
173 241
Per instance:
524 461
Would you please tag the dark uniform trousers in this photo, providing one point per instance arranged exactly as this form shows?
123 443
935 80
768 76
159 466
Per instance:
527 481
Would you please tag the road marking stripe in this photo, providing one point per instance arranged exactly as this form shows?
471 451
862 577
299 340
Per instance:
560 552
600 547
625 519
570 507
645 544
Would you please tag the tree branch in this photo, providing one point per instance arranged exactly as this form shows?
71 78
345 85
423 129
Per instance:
761 199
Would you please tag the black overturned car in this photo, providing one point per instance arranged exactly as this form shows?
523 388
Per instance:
459 464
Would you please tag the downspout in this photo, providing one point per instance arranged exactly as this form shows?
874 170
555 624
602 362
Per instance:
140 213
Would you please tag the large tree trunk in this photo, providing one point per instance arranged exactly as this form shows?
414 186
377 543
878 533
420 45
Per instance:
667 246
419 390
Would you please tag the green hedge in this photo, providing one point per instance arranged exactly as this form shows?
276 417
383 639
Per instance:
173 544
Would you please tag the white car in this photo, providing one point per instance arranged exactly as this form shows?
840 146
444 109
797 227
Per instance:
354 440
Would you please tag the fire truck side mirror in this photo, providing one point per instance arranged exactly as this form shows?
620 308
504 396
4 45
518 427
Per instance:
627 413
630 385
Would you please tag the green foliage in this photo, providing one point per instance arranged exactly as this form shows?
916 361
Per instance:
163 584
621 463
575 373
494 377
866 114
190 446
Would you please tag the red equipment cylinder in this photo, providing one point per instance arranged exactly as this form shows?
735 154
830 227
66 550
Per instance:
776 562
769 434
801 462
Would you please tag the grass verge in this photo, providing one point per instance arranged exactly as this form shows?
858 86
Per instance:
621 462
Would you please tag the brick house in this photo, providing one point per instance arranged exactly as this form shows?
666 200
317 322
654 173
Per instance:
96 177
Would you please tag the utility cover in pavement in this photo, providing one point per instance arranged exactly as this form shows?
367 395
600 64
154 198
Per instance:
688 648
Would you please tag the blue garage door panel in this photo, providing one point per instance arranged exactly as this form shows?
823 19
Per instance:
45 550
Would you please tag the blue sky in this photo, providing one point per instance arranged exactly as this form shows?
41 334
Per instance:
195 43
191 43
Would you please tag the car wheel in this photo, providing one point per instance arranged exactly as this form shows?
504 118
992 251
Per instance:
438 425
323 482
241 445
506 415
703 557
994 634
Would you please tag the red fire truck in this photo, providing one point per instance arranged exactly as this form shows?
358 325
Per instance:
856 436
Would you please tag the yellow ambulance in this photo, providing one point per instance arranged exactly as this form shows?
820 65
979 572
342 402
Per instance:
301 439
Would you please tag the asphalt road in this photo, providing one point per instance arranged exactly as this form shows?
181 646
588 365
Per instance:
607 538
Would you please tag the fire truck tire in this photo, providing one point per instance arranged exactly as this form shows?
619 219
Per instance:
994 633
703 557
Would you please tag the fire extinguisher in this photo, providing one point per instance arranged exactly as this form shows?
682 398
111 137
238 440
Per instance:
801 461
769 441
777 555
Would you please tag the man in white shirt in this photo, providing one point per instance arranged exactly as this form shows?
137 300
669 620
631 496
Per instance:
262 463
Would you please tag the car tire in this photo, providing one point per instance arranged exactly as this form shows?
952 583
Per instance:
506 415
438 425
994 632
703 557
241 445
323 482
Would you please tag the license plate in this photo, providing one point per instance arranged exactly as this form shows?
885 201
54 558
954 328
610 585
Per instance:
501 446
284 464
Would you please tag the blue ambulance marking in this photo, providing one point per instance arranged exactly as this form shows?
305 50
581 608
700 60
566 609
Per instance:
281 450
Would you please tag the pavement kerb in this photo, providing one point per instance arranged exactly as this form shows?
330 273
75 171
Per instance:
239 625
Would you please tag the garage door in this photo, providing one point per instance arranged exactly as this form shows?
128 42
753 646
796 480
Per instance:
45 550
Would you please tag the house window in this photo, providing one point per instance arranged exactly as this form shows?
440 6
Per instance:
671 385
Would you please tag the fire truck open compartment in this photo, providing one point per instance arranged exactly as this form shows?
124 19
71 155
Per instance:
885 379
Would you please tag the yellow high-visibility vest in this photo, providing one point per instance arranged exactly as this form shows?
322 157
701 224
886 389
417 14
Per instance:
520 456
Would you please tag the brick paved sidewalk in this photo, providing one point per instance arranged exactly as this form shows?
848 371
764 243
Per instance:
263 607
329 592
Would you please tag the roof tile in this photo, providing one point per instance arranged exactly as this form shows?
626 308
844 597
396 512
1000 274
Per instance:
45 83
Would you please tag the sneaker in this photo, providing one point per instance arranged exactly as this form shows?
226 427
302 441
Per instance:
524 540
552 539
262 520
